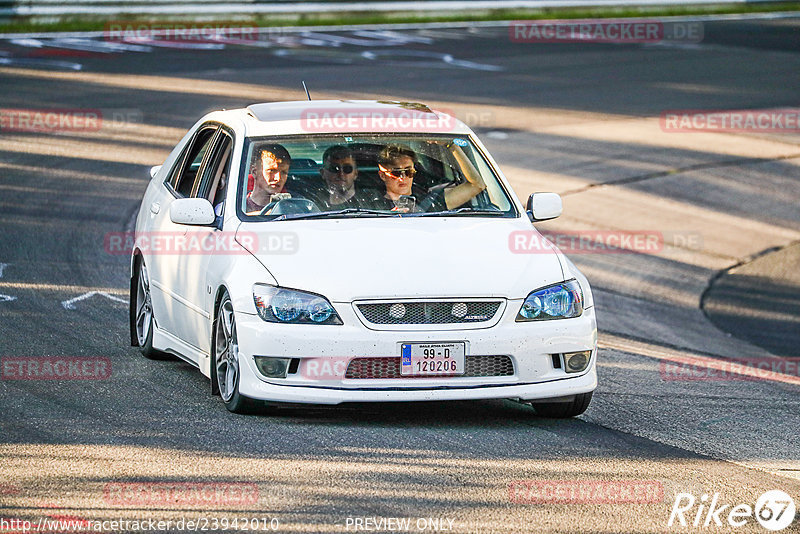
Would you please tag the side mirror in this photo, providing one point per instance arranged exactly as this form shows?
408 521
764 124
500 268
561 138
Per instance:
192 211
154 170
544 206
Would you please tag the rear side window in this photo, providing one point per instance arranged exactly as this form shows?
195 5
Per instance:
183 181
215 175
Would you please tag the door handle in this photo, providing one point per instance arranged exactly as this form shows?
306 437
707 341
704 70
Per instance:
155 207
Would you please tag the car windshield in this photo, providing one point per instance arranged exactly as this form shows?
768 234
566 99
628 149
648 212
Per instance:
369 175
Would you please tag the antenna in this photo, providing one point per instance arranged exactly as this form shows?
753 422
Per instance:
306 89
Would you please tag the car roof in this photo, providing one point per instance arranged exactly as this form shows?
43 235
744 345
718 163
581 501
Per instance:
347 116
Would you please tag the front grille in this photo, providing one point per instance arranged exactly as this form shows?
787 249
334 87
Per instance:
390 367
441 312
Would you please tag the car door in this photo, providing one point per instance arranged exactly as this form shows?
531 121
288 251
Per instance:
205 243
164 251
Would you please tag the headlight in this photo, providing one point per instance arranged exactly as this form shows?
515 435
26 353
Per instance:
279 305
559 301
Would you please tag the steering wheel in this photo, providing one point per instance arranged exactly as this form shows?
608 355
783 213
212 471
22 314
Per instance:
265 209
289 206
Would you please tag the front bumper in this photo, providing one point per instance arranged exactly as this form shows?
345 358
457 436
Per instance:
324 352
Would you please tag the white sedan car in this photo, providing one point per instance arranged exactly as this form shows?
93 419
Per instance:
356 251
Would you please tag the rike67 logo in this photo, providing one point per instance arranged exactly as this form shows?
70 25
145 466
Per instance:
774 510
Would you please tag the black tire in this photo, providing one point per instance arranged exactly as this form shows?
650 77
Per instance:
141 314
225 359
563 410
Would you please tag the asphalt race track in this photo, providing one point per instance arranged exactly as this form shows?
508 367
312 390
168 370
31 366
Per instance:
580 119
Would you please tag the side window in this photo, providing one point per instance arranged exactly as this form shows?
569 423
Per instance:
184 181
177 166
216 172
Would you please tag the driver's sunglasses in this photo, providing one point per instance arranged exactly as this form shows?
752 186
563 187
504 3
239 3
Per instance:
400 173
345 169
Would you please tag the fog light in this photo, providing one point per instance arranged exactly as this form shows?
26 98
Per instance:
272 367
397 311
459 310
577 361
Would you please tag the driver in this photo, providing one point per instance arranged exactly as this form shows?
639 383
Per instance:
396 168
339 171
270 175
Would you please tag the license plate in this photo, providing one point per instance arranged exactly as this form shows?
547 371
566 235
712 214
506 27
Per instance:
431 359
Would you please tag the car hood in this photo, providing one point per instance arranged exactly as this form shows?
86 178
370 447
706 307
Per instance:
379 258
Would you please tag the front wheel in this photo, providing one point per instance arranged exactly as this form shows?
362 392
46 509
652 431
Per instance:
563 410
225 371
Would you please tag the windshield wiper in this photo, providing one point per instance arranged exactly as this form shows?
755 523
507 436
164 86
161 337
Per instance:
468 210
337 213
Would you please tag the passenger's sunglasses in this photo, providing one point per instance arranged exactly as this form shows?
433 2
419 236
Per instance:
399 173
346 169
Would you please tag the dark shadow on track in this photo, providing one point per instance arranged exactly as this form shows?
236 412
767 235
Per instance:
759 302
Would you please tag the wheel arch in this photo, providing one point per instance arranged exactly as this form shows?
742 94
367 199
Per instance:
136 259
222 289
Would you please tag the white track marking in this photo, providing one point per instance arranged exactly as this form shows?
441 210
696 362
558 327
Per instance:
175 44
242 42
337 40
27 42
84 45
424 58
468 25
443 34
2 268
235 8
450 60
7 298
342 58
70 304
367 38
381 35
93 45
393 37
30 62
